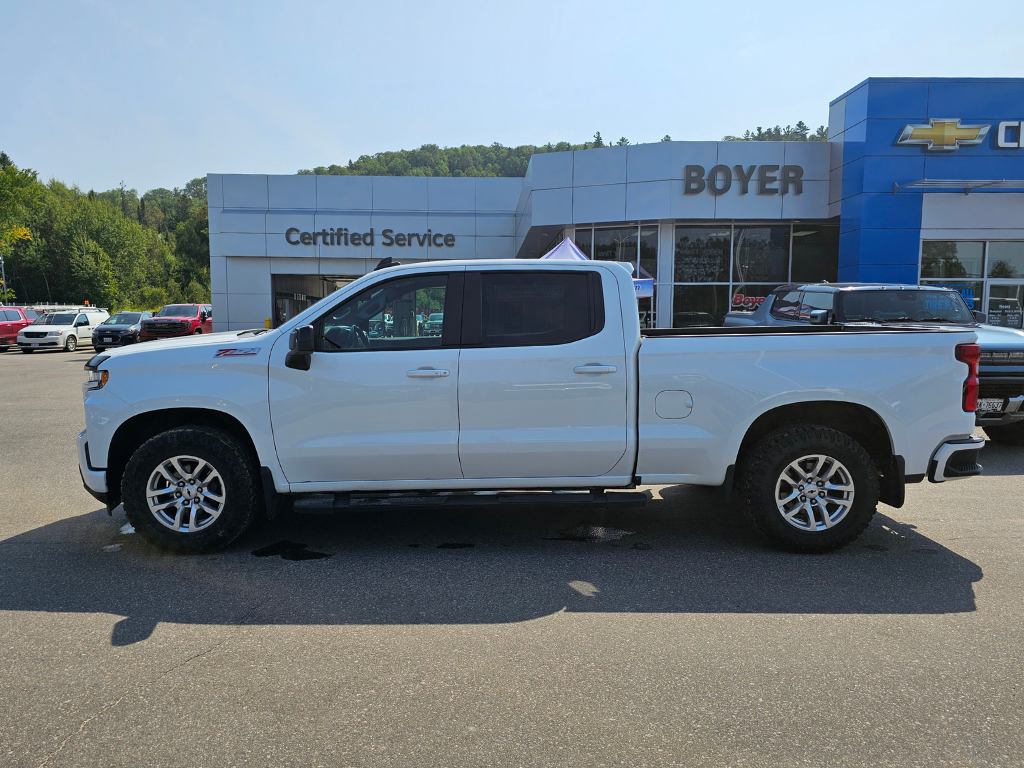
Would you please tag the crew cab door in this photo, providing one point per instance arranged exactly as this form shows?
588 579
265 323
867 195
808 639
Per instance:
380 399
542 374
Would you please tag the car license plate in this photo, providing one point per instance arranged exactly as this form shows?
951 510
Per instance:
107 338
990 404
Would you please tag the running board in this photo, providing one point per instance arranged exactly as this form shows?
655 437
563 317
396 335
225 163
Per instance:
321 503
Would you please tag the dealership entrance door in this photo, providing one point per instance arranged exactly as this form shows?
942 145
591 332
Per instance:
296 293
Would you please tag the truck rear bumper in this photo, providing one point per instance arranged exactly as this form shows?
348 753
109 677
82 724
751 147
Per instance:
955 459
94 480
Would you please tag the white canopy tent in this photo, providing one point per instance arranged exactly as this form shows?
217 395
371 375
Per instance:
567 249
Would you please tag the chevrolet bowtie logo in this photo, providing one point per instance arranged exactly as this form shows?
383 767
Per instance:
944 134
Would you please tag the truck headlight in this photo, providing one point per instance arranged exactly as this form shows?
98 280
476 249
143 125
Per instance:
97 379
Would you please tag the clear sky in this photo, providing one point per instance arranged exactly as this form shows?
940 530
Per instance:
100 92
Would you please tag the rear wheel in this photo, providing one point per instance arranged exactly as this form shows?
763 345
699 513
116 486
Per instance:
809 489
1007 434
71 344
191 490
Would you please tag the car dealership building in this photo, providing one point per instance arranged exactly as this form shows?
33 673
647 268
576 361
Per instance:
921 181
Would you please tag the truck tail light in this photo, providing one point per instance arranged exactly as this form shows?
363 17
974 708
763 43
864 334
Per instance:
970 354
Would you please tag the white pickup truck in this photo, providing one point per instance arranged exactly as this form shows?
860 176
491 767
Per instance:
539 380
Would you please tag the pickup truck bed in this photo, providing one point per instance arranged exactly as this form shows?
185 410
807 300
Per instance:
539 379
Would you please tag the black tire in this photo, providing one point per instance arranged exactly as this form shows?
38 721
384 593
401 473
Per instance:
197 331
71 344
2 350
762 471
230 459
1007 434
96 349
27 350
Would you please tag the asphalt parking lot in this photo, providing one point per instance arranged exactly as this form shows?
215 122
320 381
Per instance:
497 638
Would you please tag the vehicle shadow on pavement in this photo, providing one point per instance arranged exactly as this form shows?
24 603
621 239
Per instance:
686 552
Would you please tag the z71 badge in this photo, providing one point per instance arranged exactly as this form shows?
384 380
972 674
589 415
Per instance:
237 352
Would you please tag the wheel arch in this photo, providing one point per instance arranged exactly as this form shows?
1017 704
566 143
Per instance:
135 431
858 421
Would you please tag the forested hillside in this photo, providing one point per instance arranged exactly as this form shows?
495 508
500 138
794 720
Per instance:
499 160
113 248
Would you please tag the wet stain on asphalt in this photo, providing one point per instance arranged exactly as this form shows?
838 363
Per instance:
455 545
289 550
590 533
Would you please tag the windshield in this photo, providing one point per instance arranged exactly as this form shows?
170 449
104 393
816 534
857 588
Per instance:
435 318
178 310
43 320
938 306
63 318
123 318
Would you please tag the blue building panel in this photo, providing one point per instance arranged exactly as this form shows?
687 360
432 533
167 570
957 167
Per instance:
856 107
991 99
902 99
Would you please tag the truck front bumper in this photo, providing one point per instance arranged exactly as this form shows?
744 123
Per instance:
94 480
955 459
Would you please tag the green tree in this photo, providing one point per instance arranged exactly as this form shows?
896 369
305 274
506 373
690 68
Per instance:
790 133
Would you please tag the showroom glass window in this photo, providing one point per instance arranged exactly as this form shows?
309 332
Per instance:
733 267
633 245
988 274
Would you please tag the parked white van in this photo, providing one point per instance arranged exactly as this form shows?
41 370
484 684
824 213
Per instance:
61 330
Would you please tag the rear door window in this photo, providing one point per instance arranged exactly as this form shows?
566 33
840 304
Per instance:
12 315
787 306
524 309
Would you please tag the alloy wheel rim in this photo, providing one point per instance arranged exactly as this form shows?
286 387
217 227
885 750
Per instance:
814 493
185 494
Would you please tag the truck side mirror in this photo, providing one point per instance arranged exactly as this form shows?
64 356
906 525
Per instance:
980 317
300 348
818 317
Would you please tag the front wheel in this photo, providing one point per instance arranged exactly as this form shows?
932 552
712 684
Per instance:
27 350
71 344
1007 434
197 331
808 488
191 490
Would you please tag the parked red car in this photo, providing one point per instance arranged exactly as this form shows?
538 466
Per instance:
178 320
12 320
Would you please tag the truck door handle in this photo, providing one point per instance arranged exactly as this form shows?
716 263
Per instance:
594 368
428 373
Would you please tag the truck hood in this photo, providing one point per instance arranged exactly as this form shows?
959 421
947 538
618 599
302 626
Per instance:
226 340
163 318
992 336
